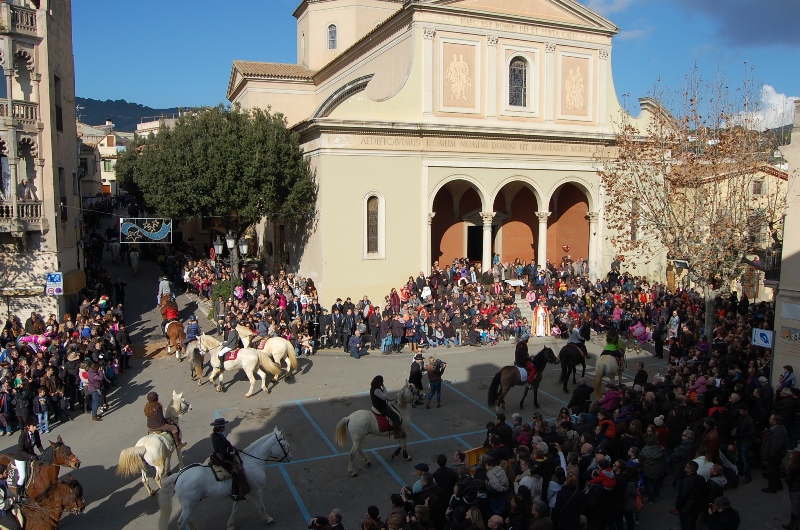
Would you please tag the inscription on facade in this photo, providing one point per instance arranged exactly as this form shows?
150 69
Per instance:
460 144
526 29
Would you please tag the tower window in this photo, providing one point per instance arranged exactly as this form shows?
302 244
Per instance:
332 37
518 83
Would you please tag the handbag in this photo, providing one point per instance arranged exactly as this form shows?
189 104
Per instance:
639 500
410 332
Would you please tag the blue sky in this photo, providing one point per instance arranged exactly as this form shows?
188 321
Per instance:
166 54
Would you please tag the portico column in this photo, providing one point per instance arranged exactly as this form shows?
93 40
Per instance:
487 240
594 246
541 252
429 261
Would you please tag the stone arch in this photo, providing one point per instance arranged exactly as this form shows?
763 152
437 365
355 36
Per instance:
456 205
568 225
515 203
581 184
24 56
28 143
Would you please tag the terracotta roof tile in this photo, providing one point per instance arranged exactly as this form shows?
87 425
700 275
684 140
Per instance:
273 70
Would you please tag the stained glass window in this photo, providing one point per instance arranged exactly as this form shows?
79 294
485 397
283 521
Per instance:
518 83
332 37
372 225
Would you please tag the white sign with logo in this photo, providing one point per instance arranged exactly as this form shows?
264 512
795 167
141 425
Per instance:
55 284
763 338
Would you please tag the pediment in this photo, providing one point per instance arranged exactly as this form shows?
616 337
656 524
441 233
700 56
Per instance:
569 12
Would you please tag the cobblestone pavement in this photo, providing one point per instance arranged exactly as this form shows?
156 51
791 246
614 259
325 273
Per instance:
330 386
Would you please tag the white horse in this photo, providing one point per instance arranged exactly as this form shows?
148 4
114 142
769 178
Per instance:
134 262
247 359
606 366
362 423
153 448
244 334
197 482
114 247
277 351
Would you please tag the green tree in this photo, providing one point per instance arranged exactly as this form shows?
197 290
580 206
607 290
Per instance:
225 162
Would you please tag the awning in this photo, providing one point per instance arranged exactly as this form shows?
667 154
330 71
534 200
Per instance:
74 281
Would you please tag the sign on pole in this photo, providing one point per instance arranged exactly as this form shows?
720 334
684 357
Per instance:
763 338
55 284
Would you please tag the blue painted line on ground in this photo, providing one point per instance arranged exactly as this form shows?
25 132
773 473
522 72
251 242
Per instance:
424 435
316 427
460 393
462 442
551 396
391 471
218 411
295 493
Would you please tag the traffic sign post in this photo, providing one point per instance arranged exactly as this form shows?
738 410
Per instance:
55 284
763 338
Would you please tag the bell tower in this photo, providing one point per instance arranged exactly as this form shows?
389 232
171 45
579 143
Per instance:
325 28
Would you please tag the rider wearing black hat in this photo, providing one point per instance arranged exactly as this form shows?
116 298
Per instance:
380 402
226 456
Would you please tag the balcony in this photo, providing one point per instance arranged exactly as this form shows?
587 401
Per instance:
28 217
25 112
772 265
23 20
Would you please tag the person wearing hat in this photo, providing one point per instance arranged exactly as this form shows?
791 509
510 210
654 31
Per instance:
164 289
262 331
192 330
231 342
380 402
226 456
522 358
415 375
154 412
373 516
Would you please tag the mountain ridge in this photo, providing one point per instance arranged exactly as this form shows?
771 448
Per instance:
125 115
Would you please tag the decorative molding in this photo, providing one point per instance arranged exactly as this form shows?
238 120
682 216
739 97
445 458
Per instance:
604 54
428 33
543 216
487 218
550 48
492 40
593 217
30 143
430 218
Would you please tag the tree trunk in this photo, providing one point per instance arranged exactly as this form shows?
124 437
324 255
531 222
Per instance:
709 294
234 263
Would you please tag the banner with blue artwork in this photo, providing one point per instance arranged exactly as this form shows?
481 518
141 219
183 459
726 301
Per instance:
145 230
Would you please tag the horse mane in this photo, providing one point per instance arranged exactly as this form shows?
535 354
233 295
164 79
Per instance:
212 341
250 448
48 455
539 360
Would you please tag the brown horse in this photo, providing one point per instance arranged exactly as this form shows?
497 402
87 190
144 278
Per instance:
50 463
173 330
508 377
44 512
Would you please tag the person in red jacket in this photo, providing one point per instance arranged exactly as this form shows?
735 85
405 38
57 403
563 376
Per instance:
605 430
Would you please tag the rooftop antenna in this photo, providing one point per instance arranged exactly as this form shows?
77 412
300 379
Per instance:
78 109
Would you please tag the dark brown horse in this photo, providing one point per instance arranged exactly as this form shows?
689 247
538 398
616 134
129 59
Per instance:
44 512
50 463
173 330
508 377
570 356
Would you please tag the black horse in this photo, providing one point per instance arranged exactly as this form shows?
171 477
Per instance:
508 377
570 357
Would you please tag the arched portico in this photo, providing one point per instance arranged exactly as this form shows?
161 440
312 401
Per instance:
572 225
456 221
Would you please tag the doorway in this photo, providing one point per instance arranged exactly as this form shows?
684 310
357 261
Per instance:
475 243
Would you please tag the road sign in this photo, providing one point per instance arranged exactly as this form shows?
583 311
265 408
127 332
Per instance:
55 284
763 338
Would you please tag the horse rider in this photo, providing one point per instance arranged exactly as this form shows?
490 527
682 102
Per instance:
415 376
28 441
522 358
380 402
227 457
7 518
156 421
170 315
164 288
576 339
262 331
614 347
192 331
230 343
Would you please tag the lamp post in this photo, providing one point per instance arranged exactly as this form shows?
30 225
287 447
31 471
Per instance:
218 244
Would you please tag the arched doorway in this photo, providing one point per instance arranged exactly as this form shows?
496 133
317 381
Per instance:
456 226
568 225
515 207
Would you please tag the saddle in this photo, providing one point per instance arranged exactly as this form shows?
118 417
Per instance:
32 470
384 422
220 473
166 435
231 355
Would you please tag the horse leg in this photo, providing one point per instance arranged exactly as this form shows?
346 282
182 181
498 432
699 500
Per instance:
256 492
147 484
406 456
353 450
186 513
180 458
396 452
263 375
536 395
252 379
233 515
524 395
289 373
583 370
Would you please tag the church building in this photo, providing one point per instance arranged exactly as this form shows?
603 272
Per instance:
441 129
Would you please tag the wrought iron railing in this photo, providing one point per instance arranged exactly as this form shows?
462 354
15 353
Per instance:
772 264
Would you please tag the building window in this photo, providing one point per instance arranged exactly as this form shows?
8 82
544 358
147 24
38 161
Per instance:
332 37
758 187
372 225
75 186
518 83
107 165
62 191
57 98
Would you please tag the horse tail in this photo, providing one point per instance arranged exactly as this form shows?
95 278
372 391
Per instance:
266 362
494 389
165 500
292 358
341 431
598 378
131 461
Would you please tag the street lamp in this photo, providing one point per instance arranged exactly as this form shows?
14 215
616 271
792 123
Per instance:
218 244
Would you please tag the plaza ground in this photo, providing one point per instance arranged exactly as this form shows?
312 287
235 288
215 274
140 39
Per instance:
329 386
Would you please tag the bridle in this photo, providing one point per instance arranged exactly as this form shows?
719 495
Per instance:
184 407
283 444
414 391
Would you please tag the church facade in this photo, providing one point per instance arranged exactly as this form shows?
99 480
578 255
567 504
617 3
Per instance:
441 129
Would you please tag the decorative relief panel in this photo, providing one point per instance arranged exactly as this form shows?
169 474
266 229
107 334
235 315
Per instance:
459 76
575 87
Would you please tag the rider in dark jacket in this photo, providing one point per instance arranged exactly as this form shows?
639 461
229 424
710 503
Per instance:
226 456
380 402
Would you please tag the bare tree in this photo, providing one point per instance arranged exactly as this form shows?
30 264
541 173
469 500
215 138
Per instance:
692 182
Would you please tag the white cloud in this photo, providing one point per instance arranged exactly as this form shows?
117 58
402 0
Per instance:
608 7
776 110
